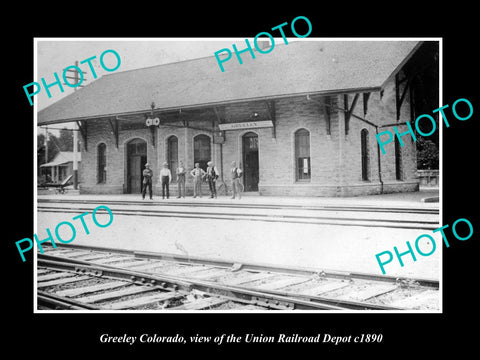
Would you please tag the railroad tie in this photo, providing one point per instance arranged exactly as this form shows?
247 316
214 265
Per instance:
201 304
143 301
116 294
91 288
62 281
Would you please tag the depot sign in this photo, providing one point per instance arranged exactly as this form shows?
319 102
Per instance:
246 125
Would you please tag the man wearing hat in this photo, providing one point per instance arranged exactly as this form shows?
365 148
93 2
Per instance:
212 176
236 173
147 181
198 173
181 171
166 177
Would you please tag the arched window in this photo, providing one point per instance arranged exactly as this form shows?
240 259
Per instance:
102 163
172 154
302 155
201 150
365 154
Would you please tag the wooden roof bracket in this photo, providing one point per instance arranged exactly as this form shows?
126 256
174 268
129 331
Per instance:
366 97
399 98
220 120
272 111
327 113
82 126
115 127
349 111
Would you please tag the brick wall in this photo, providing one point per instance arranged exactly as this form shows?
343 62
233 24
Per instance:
100 131
336 168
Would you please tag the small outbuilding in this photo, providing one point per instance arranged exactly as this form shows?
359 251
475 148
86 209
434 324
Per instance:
60 167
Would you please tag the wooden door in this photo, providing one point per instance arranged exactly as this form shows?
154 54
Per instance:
136 159
250 162
135 174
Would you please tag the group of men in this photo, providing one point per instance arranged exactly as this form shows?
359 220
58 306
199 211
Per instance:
198 174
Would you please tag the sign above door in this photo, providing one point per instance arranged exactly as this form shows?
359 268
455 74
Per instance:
246 125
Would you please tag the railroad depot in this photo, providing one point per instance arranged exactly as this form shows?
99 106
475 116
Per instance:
300 121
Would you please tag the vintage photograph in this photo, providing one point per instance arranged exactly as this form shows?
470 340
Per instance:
237 175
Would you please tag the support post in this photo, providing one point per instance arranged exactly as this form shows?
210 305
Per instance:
152 127
75 157
46 144
379 157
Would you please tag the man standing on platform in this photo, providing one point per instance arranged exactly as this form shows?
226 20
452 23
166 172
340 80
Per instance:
147 181
166 177
181 180
212 176
198 173
235 173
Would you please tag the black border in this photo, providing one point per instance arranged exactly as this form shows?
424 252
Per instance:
403 334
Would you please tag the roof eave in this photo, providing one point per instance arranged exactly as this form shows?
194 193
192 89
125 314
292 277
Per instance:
402 63
218 103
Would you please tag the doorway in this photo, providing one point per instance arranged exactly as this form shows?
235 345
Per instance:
136 160
250 161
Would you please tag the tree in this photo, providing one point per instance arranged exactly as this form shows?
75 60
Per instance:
52 148
427 154
65 140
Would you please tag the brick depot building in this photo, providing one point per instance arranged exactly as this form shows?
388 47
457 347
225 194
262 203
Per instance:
300 120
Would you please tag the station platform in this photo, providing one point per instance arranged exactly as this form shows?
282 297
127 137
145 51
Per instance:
299 243
425 198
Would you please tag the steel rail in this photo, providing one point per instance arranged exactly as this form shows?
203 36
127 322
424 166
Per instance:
296 219
137 277
248 266
244 215
255 297
232 292
360 208
347 275
46 299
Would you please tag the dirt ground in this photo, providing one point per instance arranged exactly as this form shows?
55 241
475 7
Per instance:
324 247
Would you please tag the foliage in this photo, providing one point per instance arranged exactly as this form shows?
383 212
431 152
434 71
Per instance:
427 154
63 142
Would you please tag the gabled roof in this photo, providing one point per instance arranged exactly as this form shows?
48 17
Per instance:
301 67
63 157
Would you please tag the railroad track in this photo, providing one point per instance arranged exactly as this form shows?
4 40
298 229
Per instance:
243 205
78 277
403 218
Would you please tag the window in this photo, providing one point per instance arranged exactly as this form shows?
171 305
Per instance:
172 154
137 147
201 150
302 155
365 154
102 163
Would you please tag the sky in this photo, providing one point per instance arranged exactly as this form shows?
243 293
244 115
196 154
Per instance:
54 55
